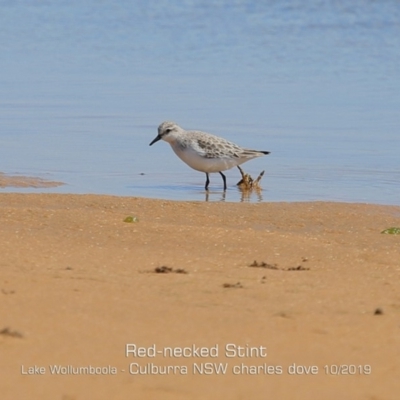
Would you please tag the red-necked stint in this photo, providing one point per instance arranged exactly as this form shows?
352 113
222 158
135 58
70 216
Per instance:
204 152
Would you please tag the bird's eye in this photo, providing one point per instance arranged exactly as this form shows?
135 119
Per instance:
168 130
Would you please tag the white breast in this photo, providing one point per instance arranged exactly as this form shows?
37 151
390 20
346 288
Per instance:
192 158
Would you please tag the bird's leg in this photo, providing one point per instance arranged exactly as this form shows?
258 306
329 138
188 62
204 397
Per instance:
207 181
224 179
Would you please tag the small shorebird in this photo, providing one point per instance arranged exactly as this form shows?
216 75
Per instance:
204 152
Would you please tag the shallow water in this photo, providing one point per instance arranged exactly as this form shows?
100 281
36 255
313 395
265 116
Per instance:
85 84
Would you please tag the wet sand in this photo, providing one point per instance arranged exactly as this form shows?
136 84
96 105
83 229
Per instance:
260 287
26 181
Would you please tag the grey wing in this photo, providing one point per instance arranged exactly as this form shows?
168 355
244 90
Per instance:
220 149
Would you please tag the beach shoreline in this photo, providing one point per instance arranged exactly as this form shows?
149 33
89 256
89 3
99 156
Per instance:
20 181
83 276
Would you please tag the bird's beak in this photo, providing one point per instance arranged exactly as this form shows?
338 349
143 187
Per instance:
155 140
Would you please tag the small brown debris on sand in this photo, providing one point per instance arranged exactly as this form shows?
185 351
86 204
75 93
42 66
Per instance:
8 332
4 291
237 285
263 264
166 270
298 268
180 271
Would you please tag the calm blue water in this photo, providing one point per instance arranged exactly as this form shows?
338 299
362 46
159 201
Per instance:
84 85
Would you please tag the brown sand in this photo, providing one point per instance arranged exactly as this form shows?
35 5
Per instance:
25 181
78 284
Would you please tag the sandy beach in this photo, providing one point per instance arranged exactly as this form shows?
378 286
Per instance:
197 300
